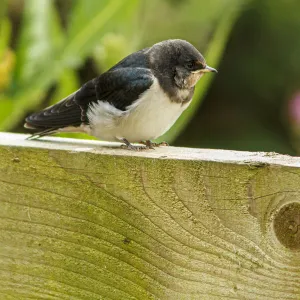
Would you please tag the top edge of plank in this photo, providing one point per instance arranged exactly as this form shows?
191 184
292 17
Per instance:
257 159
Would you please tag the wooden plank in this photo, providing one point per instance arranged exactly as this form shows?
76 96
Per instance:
87 220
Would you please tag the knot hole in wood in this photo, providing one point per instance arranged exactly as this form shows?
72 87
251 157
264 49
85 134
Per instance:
287 225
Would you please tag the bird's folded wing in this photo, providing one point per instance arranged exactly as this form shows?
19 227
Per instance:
64 113
120 87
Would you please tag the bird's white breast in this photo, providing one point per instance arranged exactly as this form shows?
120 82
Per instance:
147 118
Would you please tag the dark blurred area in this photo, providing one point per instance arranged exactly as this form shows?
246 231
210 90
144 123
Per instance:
252 103
49 48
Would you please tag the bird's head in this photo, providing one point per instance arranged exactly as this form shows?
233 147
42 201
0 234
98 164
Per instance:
179 60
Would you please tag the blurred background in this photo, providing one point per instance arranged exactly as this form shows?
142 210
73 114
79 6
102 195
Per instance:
48 48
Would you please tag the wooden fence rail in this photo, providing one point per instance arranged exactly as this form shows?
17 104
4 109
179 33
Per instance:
87 220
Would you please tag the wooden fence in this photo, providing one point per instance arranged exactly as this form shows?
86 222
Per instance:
87 220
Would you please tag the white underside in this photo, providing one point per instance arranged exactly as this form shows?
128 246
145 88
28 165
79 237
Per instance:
146 119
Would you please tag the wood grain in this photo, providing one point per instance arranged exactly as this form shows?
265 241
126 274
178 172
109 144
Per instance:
87 220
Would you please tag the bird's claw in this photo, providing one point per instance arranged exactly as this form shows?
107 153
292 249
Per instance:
133 147
148 145
151 145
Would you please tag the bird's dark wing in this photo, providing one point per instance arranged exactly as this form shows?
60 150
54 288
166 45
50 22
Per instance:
137 59
120 87
65 113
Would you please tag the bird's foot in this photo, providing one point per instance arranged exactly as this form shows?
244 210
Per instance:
161 144
151 145
129 146
132 147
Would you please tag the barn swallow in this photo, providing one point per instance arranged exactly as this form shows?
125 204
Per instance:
138 99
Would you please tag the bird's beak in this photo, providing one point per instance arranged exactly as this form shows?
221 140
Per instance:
208 69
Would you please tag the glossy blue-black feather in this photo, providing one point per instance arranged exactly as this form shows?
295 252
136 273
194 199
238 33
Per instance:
121 86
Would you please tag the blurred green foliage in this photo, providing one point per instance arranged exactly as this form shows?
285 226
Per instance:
48 48
45 52
49 53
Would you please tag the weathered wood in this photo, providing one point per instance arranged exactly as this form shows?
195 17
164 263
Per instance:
79 220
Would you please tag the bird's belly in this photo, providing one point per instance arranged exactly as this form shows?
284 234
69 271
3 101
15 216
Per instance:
150 116
147 123
147 118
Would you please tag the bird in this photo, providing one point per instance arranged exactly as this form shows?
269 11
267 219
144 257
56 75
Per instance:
135 101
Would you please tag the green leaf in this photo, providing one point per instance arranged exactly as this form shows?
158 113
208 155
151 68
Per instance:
82 13
41 35
5 32
213 57
89 23
39 40
112 49
80 42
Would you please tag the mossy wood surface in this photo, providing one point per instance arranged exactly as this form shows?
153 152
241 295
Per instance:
81 220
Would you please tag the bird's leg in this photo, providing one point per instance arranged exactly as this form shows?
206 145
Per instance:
129 146
148 144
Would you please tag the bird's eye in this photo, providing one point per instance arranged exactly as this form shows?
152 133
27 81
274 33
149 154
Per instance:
190 65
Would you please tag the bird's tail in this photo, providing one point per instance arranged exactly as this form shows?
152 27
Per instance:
66 114
40 132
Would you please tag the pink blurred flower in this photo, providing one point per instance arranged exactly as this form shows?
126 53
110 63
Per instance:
294 108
